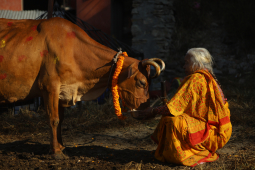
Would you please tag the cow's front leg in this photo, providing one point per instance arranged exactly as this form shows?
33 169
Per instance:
61 118
51 101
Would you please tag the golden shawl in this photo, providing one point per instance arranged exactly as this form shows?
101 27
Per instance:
201 122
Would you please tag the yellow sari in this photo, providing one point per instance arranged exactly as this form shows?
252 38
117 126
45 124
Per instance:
201 123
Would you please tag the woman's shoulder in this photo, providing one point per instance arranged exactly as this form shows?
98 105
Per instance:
194 79
197 79
197 76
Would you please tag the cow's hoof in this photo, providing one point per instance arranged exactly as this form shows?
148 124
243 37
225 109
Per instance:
62 148
59 156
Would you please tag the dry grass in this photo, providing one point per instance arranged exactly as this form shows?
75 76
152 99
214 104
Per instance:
241 103
25 121
94 117
241 99
91 118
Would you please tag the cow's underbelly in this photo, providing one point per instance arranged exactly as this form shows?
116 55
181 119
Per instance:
69 94
16 91
19 69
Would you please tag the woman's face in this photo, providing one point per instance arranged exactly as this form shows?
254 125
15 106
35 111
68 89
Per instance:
188 65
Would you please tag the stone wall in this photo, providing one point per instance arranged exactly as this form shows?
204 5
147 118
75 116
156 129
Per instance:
152 27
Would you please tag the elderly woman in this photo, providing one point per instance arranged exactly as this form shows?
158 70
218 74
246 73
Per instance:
196 121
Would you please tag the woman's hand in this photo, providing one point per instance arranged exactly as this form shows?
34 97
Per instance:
147 114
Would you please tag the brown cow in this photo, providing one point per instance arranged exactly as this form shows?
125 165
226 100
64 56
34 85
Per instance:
57 60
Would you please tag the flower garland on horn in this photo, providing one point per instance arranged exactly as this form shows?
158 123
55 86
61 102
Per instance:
115 88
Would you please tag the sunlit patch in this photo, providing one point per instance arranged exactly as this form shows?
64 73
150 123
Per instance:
2 44
22 57
34 27
3 76
56 59
29 39
9 24
71 34
44 53
1 58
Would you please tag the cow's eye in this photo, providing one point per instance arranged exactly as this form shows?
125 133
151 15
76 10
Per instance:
142 83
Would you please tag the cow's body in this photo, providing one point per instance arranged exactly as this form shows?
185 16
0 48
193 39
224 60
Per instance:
57 60
37 52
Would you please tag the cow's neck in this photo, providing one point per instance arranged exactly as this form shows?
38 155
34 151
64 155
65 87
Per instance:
98 75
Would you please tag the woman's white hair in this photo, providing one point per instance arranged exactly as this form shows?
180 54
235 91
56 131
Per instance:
201 59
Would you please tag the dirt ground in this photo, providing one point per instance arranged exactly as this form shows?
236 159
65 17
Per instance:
24 144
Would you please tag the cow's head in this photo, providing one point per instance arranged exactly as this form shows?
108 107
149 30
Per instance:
134 85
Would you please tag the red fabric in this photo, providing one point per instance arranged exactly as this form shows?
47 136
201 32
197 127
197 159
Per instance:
199 136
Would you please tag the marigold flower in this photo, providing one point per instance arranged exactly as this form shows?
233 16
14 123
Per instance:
115 88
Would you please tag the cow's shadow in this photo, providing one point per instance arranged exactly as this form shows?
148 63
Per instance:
24 146
26 149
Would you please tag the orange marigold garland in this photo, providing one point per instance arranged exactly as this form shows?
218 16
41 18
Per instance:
115 91
123 103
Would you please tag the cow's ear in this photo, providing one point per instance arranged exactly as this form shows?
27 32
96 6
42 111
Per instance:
131 70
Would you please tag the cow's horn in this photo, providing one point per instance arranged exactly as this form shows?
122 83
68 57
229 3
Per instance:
154 64
163 65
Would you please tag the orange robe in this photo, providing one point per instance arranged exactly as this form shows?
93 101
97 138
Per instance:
201 123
